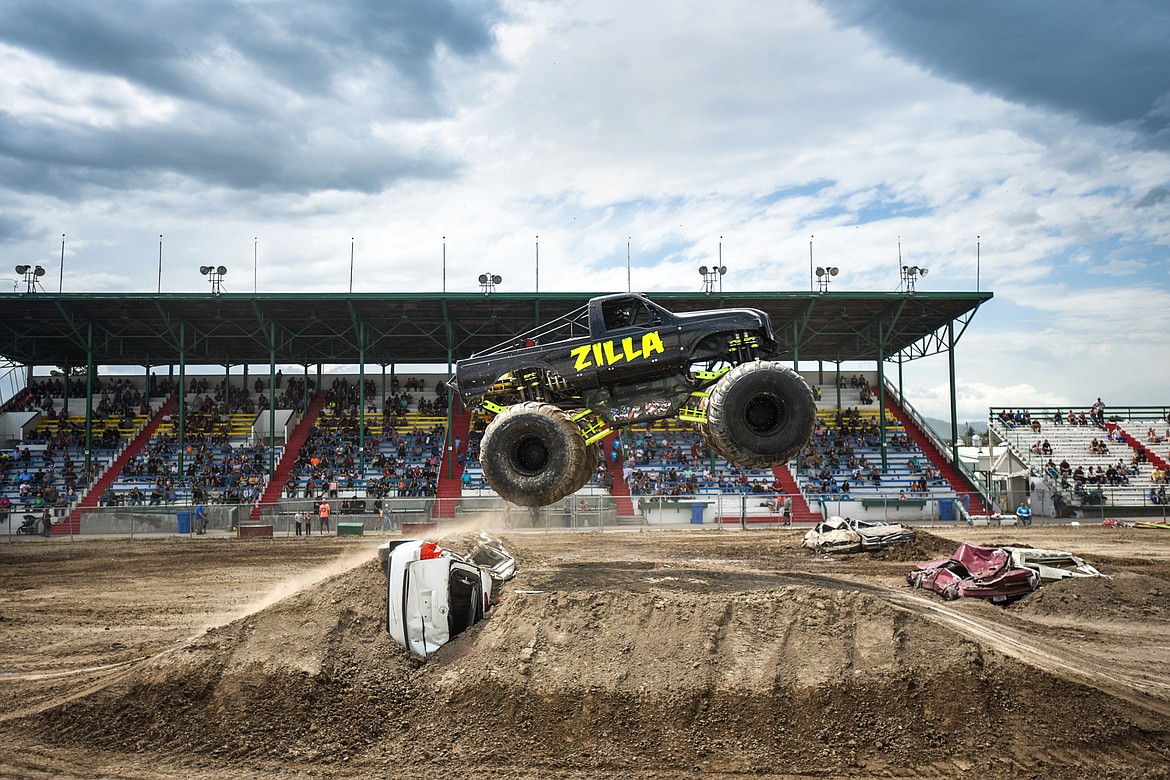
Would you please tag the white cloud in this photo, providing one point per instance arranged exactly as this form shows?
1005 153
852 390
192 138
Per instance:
597 124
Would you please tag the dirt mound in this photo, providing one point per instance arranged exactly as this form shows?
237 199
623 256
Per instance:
661 668
924 547
1124 596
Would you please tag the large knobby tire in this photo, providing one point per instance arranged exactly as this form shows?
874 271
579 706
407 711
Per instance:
760 414
587 469
533 454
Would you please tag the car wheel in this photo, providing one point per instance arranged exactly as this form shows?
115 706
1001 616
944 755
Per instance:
950 593
533 454
760 414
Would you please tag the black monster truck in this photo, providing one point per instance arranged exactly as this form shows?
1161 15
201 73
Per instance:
556 391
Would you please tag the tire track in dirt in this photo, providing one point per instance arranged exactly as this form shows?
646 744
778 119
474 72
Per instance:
1014 643
120 671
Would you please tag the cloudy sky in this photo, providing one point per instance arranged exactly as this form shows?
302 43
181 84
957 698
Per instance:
1021 148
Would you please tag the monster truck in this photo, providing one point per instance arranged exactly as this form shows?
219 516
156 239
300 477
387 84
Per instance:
555 392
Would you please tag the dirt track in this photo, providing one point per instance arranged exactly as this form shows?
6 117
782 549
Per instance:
653 655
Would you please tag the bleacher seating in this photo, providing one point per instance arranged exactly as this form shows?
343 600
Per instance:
1111 471
845 456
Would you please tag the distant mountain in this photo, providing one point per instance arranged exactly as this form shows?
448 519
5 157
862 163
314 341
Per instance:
943 427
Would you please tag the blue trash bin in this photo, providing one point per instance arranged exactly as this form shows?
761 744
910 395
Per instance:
184 522
697 514
946 510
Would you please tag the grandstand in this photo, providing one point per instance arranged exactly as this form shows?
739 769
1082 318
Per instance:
255 444
1090 462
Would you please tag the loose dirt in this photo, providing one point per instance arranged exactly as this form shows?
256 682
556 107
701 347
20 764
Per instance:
664 654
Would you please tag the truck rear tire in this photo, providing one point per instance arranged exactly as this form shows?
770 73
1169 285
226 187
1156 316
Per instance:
533 454
759 414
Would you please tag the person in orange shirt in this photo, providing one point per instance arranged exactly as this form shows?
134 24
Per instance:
323 516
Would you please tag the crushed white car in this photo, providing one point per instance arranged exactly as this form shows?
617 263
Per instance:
846 535
1051 565
434 594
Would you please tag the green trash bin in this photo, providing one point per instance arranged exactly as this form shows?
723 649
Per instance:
184 522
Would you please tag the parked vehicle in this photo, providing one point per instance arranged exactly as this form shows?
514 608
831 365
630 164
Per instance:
846 535
976 572
434 594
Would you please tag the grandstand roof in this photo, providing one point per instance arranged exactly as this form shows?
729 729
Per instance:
306 328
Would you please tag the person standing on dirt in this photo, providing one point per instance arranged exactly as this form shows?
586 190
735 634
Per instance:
200 519
786 510
299 520
46 523
323 516
1024 514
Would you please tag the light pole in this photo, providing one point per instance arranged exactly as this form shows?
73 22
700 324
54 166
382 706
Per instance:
32 275
629 286
910 274
823 277
711 276
214 274
488 282
61 279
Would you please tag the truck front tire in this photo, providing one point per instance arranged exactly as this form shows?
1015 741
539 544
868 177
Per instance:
759 414
533 454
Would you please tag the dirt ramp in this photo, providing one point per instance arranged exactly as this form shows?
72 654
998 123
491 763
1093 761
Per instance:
623 665
310 678
797 679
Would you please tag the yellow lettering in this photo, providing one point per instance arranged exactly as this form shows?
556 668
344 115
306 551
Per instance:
582 355
652 342
598 357
610 357
628 348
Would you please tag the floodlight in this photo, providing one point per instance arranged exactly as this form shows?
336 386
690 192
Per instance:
205 269
221 270
483 278
702 270
496 279
40 271
22 269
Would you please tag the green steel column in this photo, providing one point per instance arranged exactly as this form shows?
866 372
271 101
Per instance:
272 401
901 394
881 367
182 394
795 346
89 369
954 403
838 384
361 416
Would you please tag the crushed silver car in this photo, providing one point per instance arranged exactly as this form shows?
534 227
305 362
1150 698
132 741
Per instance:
1051 565
434 594
846 535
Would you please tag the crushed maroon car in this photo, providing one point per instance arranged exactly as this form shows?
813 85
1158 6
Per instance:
975 572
